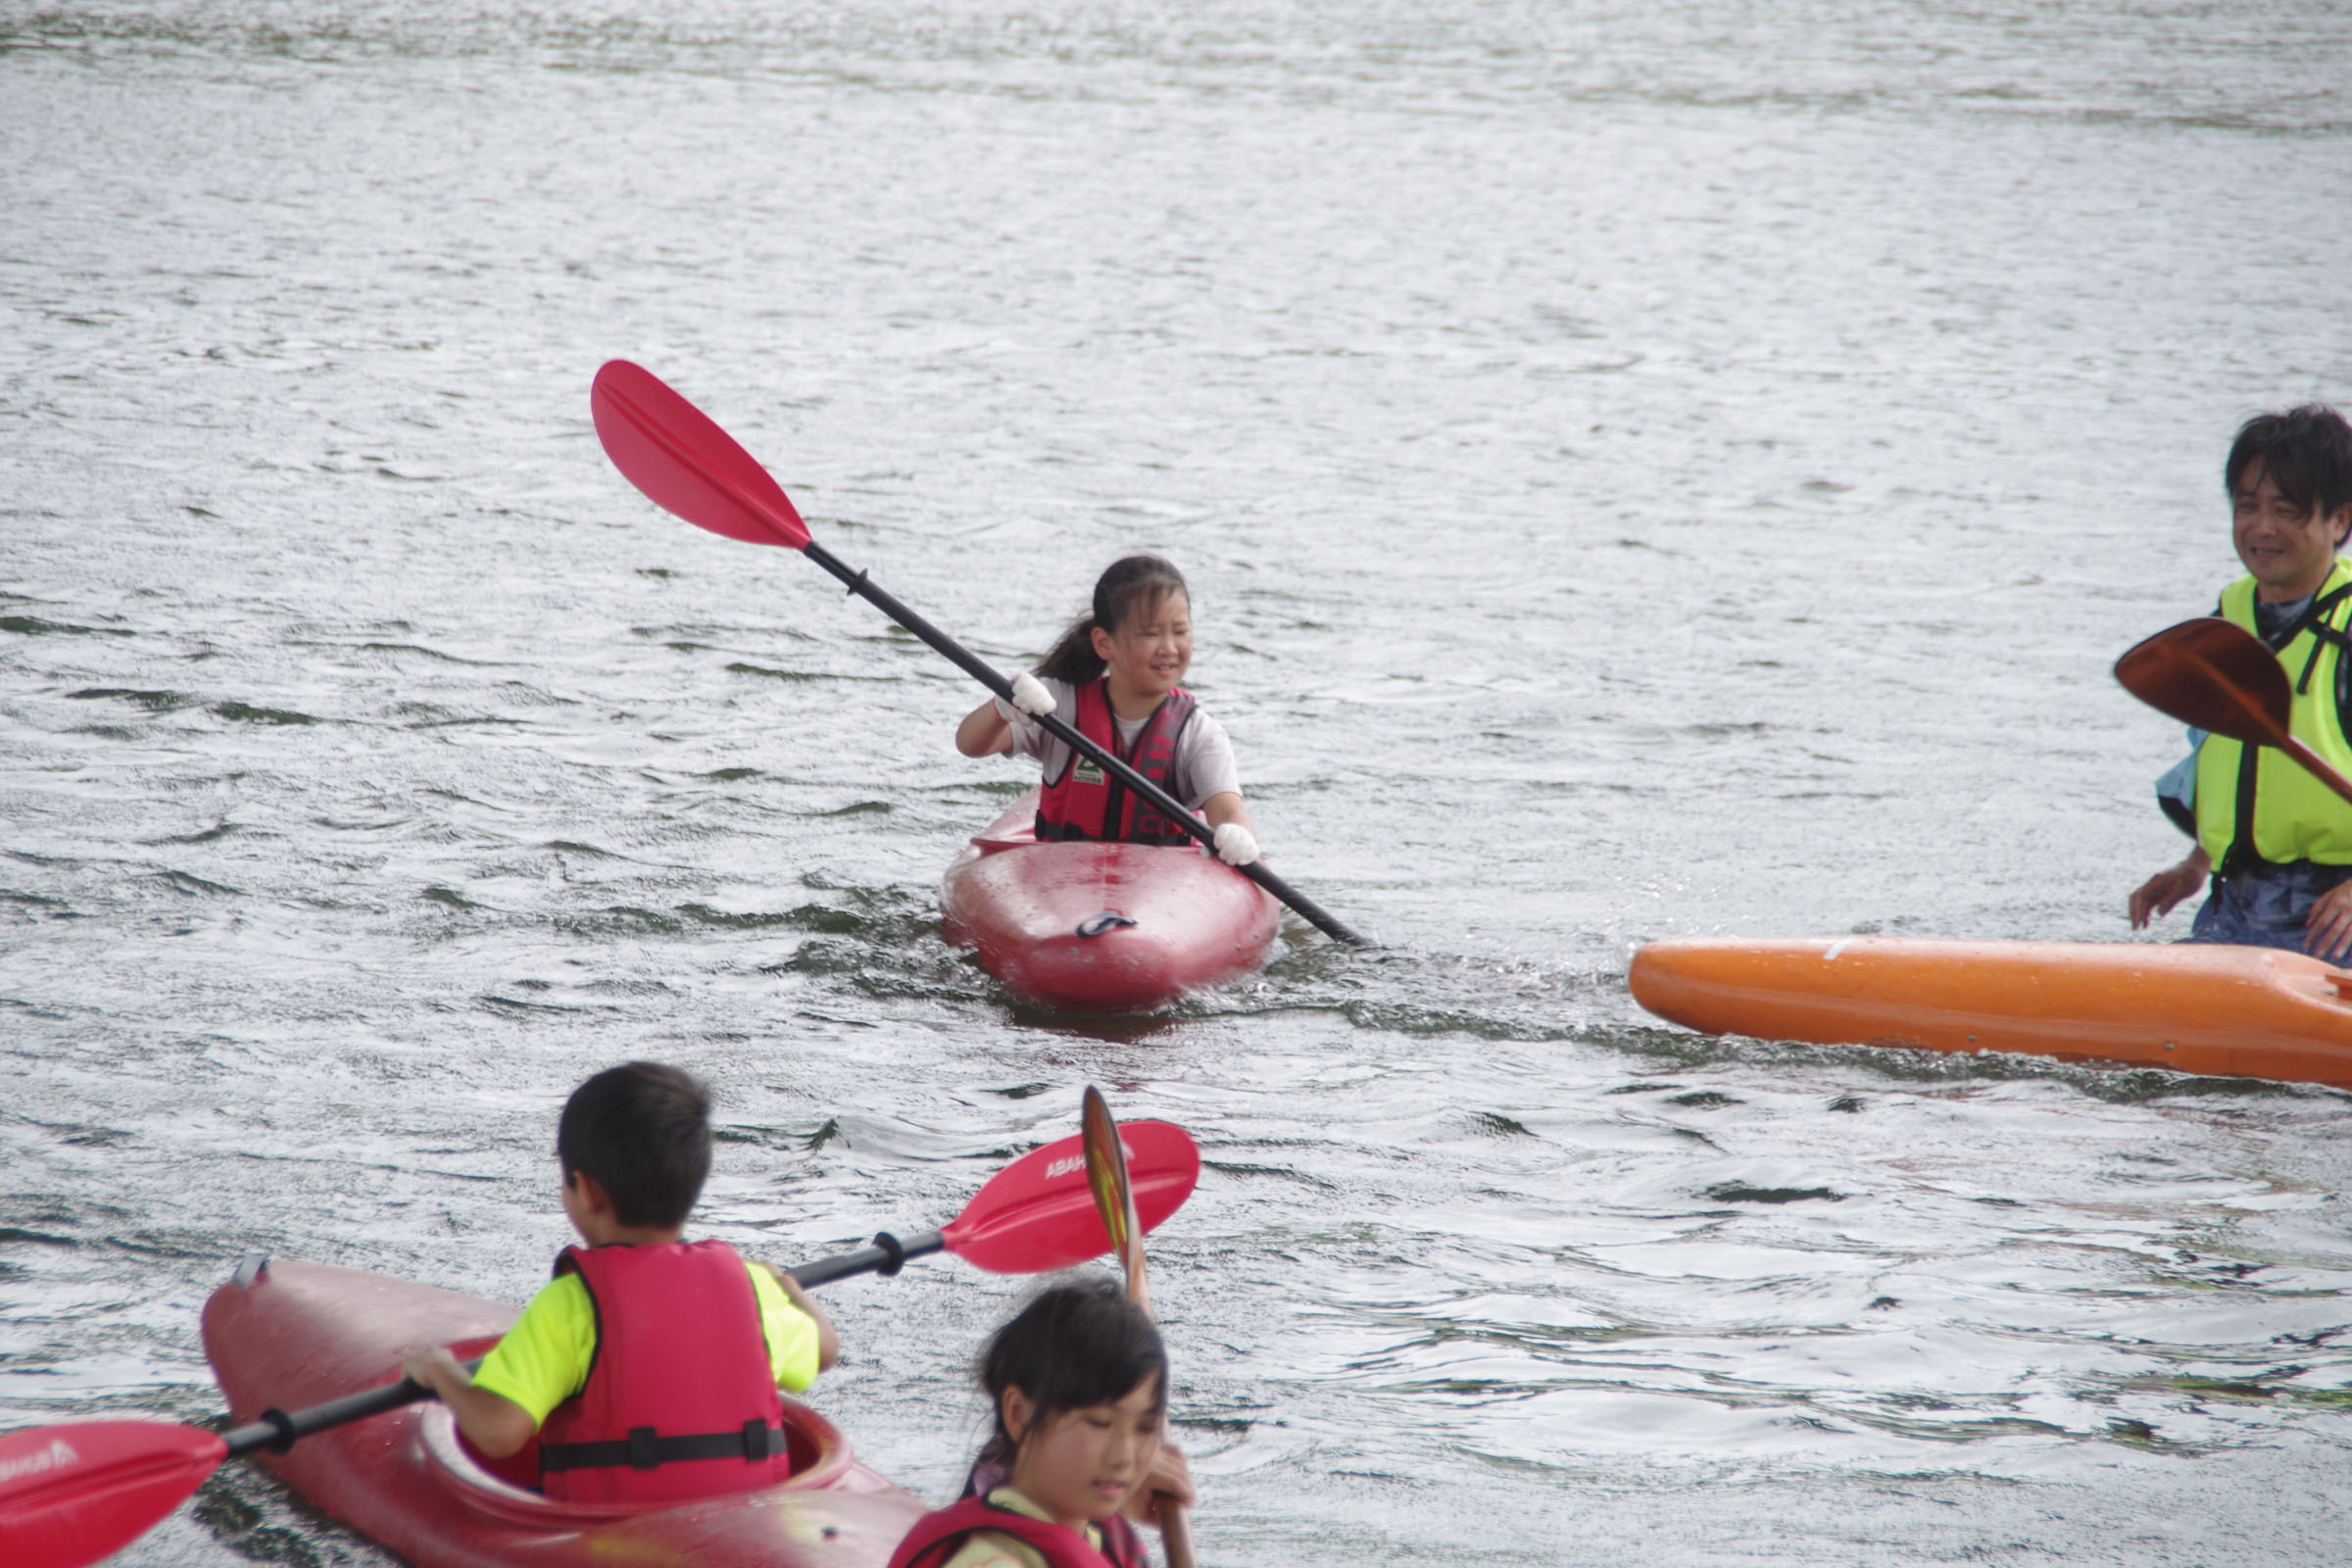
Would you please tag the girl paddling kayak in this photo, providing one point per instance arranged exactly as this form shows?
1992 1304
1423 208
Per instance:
1079 1383
1115 676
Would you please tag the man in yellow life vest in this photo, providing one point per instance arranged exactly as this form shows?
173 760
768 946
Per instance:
2276 842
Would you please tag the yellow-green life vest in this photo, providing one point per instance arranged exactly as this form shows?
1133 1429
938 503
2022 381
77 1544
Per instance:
2288 815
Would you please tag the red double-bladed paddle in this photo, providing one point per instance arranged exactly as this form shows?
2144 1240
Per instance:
74 1493
2217 675
1120 1204
685 464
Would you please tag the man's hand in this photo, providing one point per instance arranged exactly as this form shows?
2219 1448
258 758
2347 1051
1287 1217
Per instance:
2328 933
2163 892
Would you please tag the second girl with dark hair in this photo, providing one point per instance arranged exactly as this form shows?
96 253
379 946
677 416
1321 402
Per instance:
1116 678
1079 1386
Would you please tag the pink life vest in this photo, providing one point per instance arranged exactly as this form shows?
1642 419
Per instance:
1086 802
937 1536
680 1401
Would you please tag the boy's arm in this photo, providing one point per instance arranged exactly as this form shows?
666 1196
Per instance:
828 1344
491 1421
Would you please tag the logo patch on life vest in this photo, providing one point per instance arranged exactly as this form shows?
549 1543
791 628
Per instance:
1088 771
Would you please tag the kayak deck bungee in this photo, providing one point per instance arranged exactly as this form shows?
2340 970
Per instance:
2233 1011
1102 927
292 1333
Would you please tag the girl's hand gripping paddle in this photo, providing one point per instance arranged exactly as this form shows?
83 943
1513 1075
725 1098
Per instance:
2216 676
1107 1172
74 1493
685 464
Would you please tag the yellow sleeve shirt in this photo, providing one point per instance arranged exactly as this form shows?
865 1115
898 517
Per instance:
545 1358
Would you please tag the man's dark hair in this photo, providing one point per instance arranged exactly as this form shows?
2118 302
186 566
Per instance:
643 1132
2307 452
1075 1345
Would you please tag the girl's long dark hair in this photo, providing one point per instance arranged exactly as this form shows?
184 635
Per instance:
1076 1345
1127 585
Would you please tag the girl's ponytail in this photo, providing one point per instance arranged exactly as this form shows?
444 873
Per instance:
1072 659
1126 585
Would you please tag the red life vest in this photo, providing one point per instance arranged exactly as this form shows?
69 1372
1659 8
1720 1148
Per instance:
679 1401
1121 1542
1086 802
937 1537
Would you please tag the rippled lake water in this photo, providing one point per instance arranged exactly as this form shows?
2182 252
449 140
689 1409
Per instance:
1644 471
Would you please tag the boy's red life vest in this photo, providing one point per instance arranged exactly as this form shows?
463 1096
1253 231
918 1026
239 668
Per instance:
937 1536
679 1401
1086 802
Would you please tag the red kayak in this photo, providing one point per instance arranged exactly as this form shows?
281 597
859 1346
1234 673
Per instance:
299 1333
1103 927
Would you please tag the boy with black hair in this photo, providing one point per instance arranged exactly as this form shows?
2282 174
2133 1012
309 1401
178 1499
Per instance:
647 1368
2276 842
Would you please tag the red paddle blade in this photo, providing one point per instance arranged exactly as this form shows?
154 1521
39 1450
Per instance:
684 462
2212 673
1038 1214
71 1495
1106 1177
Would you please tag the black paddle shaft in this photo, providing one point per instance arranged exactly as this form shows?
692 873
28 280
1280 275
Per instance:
859 584
883 1257
276 1430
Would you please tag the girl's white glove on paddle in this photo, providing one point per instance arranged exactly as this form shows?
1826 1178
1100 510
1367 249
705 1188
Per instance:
1236 845
1029 697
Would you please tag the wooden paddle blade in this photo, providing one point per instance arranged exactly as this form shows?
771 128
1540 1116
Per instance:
71 1495
1038 1214
684 462
1106 1170
1107 1175
2214 674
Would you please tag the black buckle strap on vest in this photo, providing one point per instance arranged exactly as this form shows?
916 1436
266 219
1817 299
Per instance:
2323 636
646 1449
2241 857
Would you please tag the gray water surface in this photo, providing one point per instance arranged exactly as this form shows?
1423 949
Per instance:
1643 471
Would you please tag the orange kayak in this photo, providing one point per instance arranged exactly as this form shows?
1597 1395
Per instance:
2241 1012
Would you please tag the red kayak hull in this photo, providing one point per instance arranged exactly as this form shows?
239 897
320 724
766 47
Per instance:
1191 921
301 1334
2245 1012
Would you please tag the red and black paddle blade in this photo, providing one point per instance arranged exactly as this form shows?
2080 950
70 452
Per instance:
684 462
71 1495
2214 674
1038 1214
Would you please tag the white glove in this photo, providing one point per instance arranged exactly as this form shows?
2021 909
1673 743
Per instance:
1029 696
1236 845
